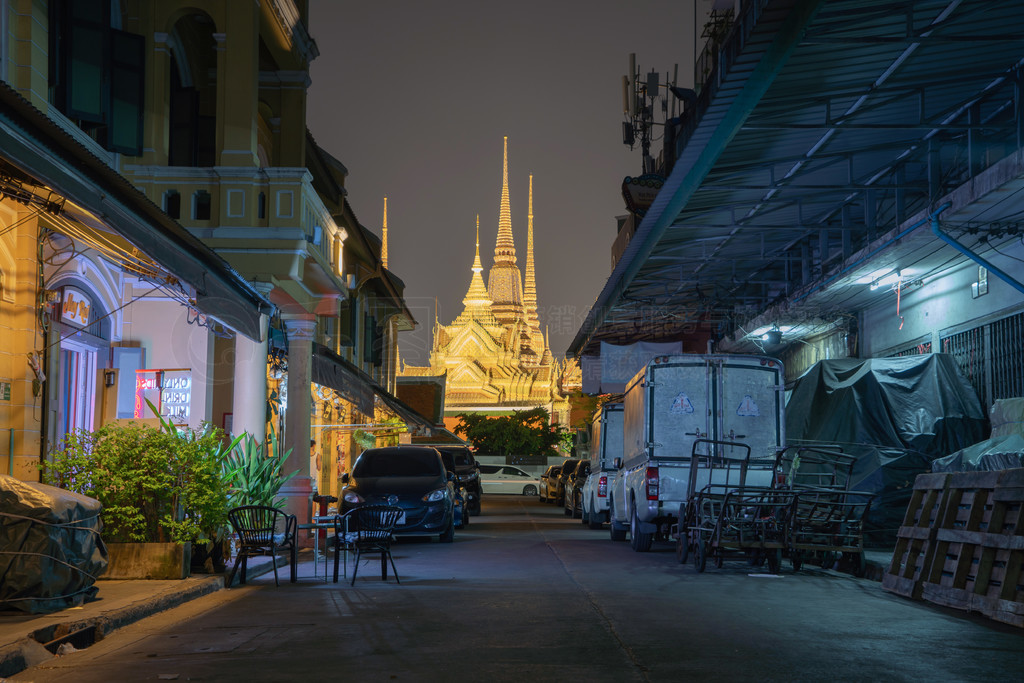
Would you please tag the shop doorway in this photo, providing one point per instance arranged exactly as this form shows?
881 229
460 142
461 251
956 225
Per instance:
77 388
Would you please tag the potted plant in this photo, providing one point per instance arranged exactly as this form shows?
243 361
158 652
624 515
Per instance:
253 472
161 489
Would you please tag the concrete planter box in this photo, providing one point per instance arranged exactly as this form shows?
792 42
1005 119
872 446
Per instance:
148 560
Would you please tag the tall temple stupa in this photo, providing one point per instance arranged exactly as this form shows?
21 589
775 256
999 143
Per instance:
494 355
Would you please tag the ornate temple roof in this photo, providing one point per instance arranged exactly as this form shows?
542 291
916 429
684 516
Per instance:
494 353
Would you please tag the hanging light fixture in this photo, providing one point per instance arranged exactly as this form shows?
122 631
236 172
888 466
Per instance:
772 336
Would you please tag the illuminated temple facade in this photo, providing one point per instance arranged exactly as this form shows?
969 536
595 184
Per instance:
494 356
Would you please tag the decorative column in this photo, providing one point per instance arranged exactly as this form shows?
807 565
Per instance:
249 403
297 415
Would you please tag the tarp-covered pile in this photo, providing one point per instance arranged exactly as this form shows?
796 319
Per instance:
50 547
1004 450
896 415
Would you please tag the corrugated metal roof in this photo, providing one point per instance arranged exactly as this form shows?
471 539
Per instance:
828 129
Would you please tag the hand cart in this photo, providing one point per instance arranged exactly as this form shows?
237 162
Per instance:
751 523
716 468
828 524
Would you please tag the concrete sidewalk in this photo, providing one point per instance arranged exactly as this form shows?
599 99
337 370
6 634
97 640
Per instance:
29 639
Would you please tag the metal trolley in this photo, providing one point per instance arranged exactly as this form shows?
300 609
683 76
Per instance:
828 521
726 515
749 522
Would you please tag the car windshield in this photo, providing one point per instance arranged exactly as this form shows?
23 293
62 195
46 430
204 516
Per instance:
397 463
460 456
448 460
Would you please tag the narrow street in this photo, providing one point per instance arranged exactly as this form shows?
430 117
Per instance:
524 593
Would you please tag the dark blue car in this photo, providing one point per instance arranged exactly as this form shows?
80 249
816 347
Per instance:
413 478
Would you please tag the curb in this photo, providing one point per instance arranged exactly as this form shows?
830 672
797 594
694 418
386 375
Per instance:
40 645
32 649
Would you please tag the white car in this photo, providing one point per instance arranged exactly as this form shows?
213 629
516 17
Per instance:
508 479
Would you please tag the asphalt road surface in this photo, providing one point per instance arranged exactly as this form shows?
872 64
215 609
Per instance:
525 594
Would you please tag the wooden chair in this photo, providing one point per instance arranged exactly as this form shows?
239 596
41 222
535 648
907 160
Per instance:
263 531
367 529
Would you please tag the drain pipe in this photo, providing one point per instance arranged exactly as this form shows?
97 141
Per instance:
977 258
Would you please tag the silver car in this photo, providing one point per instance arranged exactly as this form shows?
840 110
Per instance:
508 479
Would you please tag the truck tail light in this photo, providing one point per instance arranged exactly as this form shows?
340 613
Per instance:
602 487
651 476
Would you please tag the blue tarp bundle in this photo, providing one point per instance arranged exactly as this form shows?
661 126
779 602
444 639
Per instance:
896 415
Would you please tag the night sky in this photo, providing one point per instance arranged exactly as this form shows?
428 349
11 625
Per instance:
414 98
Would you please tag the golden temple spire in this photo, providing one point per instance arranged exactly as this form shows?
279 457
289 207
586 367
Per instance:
505 281
530 286
384 243
505 249
477 268
476 298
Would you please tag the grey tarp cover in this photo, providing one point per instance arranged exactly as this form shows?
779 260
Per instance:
896 415
1004 450
50 547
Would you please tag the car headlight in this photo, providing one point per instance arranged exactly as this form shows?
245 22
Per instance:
352 497
435 496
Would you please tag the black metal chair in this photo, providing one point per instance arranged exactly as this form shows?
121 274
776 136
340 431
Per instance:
263 531
367 529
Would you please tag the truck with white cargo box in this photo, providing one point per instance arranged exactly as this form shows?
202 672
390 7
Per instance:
606 445
669 405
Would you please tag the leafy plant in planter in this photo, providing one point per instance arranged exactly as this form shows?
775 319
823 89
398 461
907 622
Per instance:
253 472
156 485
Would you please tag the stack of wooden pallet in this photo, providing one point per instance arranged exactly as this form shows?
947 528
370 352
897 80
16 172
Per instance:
962 544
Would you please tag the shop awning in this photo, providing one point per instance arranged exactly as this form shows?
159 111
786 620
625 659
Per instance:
408 415
40 149
331 370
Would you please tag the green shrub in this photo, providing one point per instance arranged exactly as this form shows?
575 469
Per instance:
155 485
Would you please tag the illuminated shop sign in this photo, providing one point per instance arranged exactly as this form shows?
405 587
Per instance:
169 390
75 307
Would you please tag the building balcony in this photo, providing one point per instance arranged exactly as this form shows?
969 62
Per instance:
268 223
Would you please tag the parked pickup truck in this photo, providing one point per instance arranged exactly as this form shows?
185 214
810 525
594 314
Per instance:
674 401
606 445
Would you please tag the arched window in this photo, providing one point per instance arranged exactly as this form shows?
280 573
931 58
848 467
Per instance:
193 92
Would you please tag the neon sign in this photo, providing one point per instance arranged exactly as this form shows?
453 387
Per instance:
169 390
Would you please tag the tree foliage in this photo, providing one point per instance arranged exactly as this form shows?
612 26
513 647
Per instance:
525 432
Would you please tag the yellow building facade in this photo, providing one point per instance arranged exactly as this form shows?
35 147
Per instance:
163 208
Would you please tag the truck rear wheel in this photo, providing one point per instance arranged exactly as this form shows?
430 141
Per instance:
618 531
594 521
639 540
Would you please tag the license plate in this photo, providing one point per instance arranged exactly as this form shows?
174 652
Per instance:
401 519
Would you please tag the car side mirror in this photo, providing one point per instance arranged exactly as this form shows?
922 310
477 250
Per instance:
344 478
617 463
